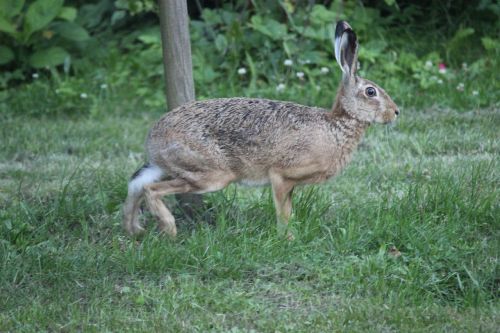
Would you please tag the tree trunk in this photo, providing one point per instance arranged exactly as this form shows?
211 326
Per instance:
179 85
174 21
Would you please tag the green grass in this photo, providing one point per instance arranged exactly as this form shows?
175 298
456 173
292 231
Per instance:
427 186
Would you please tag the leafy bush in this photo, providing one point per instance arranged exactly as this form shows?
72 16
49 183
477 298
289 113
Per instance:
278 49
38 34
261 39
134 7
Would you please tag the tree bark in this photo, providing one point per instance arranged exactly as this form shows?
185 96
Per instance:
174 22
179 85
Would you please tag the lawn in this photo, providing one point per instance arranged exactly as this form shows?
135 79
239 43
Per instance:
405 239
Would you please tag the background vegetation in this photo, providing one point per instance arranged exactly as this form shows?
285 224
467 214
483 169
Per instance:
405 239
425 53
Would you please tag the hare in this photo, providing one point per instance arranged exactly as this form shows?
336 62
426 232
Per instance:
203 146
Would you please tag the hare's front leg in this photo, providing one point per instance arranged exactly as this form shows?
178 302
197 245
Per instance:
282 195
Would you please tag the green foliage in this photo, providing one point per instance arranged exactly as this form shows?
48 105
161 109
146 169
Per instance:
240 49
6 55
411 71
10 9
48 57
71 31
269 27
68 13
40 13
135 7
38 34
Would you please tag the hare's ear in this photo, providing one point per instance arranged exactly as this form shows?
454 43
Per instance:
346 49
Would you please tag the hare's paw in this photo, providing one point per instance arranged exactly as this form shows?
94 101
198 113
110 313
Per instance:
285 231
133 226
167 226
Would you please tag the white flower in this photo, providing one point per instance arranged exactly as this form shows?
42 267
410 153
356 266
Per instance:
324 70
300 75
464 66
104 86
475 93
288 62
440 81
460 86
280 87
84 95
428 64
35 75
242 71
399 194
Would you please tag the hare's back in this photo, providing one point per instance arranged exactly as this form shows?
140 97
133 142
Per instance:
249 117
238 131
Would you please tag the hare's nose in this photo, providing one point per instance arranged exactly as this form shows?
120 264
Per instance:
397 112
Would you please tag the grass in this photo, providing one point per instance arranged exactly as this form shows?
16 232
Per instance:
426 188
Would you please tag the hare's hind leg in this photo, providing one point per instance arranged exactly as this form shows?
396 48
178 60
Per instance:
131 213
199 183
146 174
154 193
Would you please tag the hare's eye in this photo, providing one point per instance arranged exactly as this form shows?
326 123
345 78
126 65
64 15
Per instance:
370 92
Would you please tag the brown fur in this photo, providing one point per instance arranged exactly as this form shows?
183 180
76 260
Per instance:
205 145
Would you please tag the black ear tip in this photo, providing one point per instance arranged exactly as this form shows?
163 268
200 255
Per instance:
344 24
341 27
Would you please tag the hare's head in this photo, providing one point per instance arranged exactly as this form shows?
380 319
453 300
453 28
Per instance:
361 98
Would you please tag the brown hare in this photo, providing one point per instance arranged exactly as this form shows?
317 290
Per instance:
203 146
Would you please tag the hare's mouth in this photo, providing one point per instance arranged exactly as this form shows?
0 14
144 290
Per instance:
391 117
390 120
